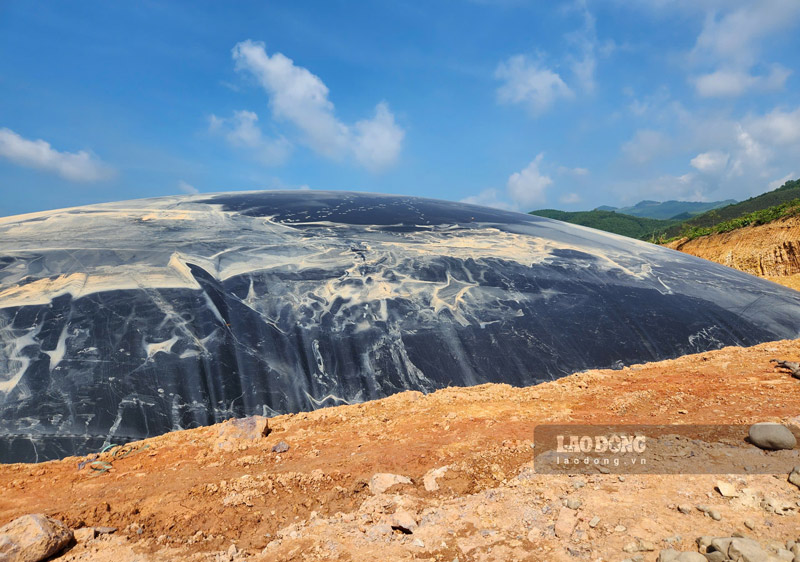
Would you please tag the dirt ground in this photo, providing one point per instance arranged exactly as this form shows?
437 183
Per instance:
191 495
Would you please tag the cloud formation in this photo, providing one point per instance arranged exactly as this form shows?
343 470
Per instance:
75 166
529 83
527 187
300 98
730 42
241 130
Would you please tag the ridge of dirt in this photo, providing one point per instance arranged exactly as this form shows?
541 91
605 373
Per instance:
769 250
192 495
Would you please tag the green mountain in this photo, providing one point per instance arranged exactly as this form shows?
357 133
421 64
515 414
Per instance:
766 201
781 202
610 221
677 210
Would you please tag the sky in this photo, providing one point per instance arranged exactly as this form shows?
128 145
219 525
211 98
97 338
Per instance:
510 103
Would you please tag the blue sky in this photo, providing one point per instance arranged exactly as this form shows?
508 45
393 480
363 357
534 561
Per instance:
512 103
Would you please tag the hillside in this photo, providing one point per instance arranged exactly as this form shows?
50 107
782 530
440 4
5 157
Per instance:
610 221
770 250
784 194
680 210
459 463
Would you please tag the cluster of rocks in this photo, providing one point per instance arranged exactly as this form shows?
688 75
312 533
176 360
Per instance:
735 549
36 537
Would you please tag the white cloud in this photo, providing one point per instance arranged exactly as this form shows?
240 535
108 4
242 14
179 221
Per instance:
529 83
730 43
735 82
573 171
301 98
780 127
377 141
570 198
489 198
75 166
528 186
242 131
584 64
187 187
712 162
645 146
775 184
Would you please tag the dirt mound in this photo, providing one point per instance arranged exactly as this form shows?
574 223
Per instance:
473 493
770 250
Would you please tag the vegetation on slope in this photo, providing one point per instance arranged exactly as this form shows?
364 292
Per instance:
762 216
764 202
618 223
673 210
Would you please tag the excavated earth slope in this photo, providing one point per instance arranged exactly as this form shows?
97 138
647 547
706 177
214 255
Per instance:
769 250
192 495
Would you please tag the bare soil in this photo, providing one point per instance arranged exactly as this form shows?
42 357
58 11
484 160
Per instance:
190 495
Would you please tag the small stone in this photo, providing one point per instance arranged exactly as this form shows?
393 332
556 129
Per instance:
602 469
578 484
621 478
32 538
620 529
84 534
418 543
248 429
750 524
566 522
691 557
784 554
594 522
105 530
403 521
746 550
703 508
715 515
429 480
646 546
280 447
382 481
630 547
683 411
573 503
771 436
715 556
685 508
726 490
794 476
668 555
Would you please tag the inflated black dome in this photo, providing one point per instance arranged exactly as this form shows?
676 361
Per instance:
123 321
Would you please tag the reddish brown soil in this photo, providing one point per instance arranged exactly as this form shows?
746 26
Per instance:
182 495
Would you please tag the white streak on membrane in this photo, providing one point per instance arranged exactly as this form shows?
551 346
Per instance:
58 353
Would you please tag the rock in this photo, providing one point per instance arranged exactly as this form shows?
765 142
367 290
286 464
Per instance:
249 429
784 554
794 476
594 522
403 521
685 509
771 436
721 544
669 555
691 557
750 524
32 538
631 547
105 530
429 480
418 543
280 447
378 532
726 490
566 522
715 556
573 503
382 481
715 515
746 550
620 529
646 546
84 534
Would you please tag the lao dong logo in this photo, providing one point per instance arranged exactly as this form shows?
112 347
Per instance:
600 444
